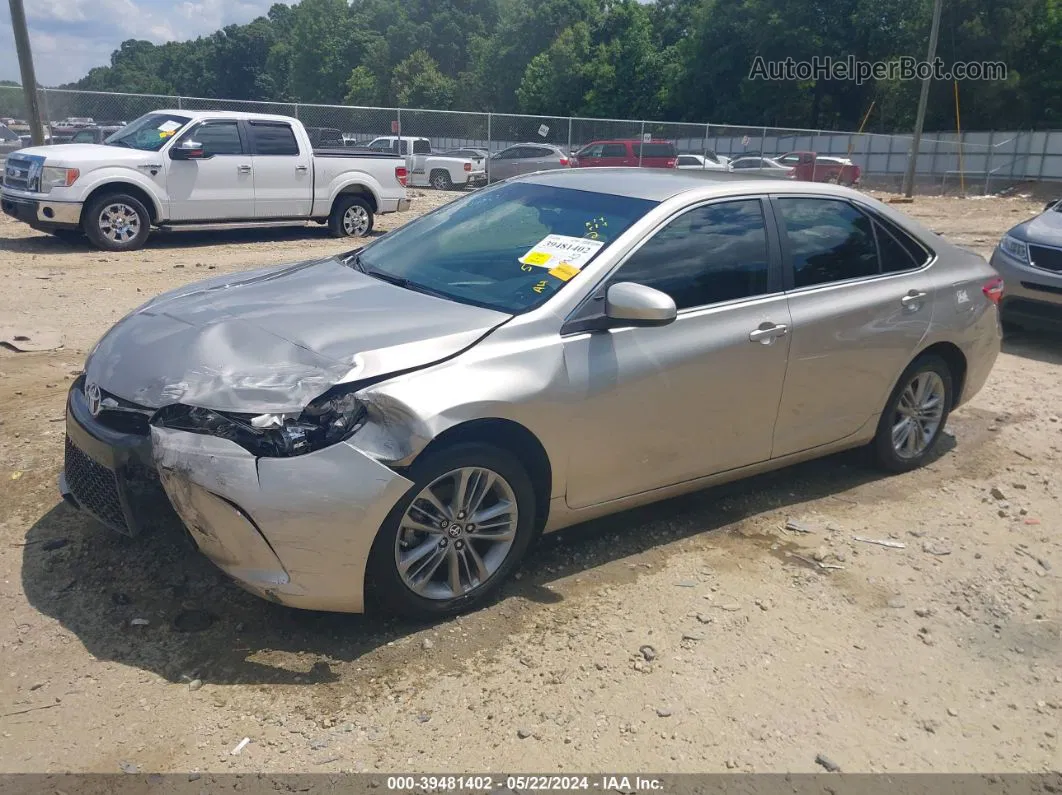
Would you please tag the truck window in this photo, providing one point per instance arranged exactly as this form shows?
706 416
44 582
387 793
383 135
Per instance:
217 138
273 138
421 146
405 148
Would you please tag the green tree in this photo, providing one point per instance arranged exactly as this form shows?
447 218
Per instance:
418 83
362 88
555 82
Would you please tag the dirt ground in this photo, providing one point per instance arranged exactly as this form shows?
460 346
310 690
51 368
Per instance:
694 635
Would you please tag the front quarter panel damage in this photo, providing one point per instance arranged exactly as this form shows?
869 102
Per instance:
506 377
295 530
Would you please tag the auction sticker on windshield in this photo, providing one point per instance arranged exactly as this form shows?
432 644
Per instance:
557 250
169 126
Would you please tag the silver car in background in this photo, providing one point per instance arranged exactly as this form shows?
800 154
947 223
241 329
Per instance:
394 426
1029 258
525 159
761 166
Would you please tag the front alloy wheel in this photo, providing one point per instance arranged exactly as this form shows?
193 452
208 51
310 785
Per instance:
459 531
456 533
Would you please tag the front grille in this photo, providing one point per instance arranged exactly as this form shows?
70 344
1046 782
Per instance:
1048 259
124 417
95 487
23 172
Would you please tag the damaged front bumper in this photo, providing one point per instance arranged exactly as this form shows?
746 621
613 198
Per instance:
297 531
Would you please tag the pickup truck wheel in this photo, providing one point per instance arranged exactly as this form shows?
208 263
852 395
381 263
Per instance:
351 217
440 180
116 222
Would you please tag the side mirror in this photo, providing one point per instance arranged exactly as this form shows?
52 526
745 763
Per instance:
637 305
188 150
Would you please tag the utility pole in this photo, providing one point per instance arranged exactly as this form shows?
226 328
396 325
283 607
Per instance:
923 99
25 63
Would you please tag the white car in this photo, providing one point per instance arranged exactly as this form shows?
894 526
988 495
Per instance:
702 163
427 169
173 169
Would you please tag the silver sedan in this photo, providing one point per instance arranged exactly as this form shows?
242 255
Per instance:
394 426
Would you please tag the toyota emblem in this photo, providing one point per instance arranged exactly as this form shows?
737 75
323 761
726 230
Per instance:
92 392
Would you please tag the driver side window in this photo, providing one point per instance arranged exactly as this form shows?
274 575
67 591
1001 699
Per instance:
707 255
217 138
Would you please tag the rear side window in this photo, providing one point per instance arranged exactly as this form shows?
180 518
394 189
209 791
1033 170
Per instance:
687 160
270 138
917 253
829 241
614 150
421 147
218 138
656 150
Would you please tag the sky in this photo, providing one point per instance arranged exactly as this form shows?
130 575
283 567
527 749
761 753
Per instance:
69 37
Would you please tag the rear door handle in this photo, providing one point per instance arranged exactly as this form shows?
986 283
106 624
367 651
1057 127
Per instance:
913 299
768 335
244 169
302 168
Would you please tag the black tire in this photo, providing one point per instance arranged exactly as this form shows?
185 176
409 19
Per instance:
385 589
101 239
884 451
440 180
341 226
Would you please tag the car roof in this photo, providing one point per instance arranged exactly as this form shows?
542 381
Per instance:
223 114
658 185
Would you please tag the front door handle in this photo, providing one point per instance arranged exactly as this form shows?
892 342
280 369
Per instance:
767 335
913 299
302 168
244 169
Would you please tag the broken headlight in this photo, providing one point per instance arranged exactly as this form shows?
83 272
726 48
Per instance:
331 418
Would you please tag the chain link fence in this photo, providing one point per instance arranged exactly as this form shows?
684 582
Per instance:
975 162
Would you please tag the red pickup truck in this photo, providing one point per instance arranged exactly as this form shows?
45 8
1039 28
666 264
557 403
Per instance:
813 167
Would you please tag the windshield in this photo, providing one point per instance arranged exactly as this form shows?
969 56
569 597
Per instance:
148 133
490 249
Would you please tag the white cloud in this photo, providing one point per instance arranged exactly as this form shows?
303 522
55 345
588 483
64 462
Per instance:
69 37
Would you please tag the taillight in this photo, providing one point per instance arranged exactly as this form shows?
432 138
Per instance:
401 174
468 166
671 161
993 290
564 161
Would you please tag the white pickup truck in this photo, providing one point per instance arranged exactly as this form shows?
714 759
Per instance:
173 169
427 169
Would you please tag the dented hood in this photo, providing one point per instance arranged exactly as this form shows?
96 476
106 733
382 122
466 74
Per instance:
273 339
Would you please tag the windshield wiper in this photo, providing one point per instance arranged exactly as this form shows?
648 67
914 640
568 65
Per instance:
354 260
119 143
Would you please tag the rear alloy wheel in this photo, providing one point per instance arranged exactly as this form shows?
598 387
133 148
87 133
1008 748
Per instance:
913 421
351 217
450 543
440 180
116 222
